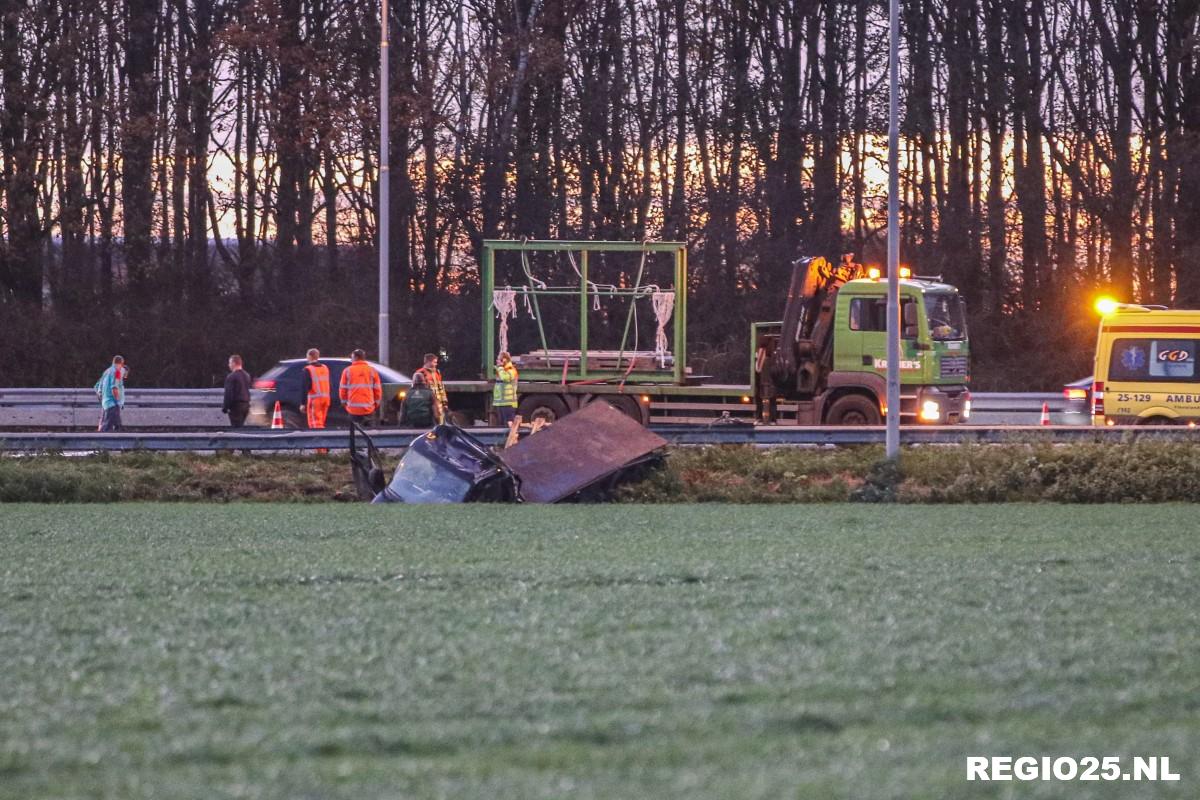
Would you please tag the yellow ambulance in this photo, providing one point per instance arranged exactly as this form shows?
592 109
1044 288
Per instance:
1146 366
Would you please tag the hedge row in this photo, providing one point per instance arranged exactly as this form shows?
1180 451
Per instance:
1133 472
158 476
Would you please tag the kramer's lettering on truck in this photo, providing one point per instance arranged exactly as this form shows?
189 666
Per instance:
881 363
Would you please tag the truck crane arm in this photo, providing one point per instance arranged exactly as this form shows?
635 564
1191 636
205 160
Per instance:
802 355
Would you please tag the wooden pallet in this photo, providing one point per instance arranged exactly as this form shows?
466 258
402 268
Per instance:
647 360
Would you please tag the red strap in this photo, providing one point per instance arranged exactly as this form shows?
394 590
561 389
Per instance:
629 369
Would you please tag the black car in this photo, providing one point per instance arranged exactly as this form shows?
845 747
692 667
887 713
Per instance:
284 383
1077 405
448 465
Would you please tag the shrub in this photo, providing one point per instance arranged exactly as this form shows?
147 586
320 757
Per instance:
1138 471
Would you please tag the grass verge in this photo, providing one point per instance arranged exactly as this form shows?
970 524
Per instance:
835 651
1132 472
1139 471
109 477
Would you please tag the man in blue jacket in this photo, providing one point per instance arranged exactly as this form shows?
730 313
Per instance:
111 391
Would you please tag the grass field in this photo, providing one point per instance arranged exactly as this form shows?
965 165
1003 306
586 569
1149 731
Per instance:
833 651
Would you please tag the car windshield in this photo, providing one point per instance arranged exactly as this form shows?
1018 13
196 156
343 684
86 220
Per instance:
947 321
419 479
274 373
386 374
389 375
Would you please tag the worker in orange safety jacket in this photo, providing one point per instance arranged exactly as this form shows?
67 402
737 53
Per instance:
316 390
433 379
360 389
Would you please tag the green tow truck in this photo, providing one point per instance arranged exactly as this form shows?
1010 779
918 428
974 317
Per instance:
577 318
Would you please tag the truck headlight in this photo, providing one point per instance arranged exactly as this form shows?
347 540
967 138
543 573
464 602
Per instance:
931 411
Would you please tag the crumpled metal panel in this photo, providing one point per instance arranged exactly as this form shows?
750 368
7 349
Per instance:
578 451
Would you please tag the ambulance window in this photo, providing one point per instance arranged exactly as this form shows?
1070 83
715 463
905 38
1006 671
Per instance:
1165 360
1173 358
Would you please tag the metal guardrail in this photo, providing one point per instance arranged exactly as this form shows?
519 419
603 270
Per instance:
260 440
79 408
918 434
201 408
764 435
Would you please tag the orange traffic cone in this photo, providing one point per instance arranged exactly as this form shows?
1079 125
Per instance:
277 418
1045 414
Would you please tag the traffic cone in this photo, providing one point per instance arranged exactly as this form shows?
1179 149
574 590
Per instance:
277 418
1045 413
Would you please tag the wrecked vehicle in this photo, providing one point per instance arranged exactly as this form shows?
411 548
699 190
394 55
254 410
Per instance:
581 458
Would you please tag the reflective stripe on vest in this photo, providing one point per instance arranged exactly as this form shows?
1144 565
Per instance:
360 389
433 379
318 374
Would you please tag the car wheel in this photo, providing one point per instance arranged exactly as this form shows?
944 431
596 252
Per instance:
293 420
542 406
853 409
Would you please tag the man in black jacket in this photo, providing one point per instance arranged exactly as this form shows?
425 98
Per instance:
237 393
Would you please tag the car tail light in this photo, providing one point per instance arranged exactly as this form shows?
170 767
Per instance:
1075 394
1098 399
264 385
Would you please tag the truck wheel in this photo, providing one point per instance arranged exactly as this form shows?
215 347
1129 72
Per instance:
623 403
542 406
853 409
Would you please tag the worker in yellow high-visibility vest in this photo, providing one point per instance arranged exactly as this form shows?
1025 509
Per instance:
504 391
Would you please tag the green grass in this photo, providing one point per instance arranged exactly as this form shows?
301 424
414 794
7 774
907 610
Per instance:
141 475
349 651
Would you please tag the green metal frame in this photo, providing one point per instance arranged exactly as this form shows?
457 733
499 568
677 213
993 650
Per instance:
583 372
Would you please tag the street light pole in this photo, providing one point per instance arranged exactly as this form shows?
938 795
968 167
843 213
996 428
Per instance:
384 181
892 438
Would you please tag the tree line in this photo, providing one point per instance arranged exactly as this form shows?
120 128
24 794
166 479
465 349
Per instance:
187 178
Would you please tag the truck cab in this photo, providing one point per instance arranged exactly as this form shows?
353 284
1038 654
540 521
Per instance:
850 360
